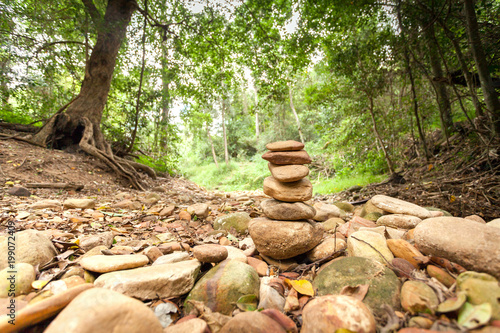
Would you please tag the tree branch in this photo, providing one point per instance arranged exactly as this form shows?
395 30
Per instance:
93 11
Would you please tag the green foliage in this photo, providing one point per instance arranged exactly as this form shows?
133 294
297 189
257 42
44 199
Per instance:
342 182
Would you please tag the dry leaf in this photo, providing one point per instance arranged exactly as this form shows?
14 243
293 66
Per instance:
358 292
303 287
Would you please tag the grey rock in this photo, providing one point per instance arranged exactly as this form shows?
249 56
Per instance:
30 246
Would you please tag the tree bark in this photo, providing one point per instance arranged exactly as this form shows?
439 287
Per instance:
212 146
295 113
412 81
390 164
490 97
226 152
437 71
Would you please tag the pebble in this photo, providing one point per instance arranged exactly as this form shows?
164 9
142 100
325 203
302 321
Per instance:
238 221
184 215
252 322
283 240
79 203
106 264
285 145
210 253
260 266
288 173
21 280
91 241
286 211
168 280
326 211
247 246
235 254
19 191
200 210
360 248
47 203
418 297
397 206
195 325
474 246
369 208
399 221
326 248
172 258
402 249
494 223
333 312
101 311
441 275
153 253
476 218
31 247
332 223
128 204
287 157
221 287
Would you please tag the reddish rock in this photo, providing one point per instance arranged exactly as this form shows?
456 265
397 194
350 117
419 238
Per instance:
252 322
210 253
287 157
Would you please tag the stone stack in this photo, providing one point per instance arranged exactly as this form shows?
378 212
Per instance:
287 230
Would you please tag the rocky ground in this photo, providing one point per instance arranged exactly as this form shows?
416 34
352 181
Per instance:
181 259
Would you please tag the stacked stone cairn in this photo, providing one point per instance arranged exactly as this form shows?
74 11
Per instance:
287 230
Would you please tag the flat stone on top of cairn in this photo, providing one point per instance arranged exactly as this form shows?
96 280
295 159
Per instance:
285 145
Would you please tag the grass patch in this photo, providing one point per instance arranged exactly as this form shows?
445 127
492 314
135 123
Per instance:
340 183
250 175
236 176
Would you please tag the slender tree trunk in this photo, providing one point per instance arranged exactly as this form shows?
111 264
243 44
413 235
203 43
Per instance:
390 165
437 71
257 129
412 81
166 79
212 146
295 113
226 152
490 97
139 91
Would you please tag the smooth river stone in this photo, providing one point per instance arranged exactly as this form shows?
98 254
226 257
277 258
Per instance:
151 282
210 253
99 310
285 145
286 211
105 264
475 246
398 206
399 221
288 173
287 157
284 239
290 192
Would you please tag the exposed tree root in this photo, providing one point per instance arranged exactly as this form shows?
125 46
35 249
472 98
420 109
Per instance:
122 168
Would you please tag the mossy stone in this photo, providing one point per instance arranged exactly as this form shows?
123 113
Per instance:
223 285
237 221
353 271
345 206
373 216
481 288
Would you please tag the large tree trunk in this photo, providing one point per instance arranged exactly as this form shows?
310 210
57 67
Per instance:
490 97
80 124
